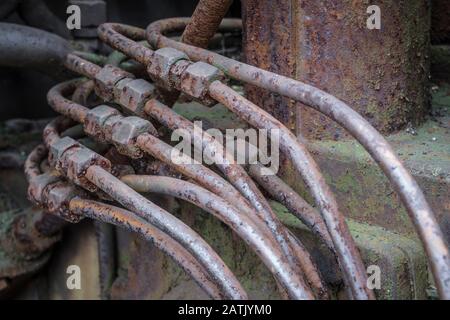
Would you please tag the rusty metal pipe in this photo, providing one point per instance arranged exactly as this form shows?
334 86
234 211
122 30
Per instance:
205 21
241 224
81 66
120 37
346 249
33 162
404 184
82 92
226 164
283 193
56 99
128 220
154 142
53 128
150 143
46 224
196 171
170 225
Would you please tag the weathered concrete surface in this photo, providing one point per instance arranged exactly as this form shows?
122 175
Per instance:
382 74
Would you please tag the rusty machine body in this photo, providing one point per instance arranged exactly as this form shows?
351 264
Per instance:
360 205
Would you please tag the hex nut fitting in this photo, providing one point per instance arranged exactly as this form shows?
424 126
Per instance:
95 121
125 133
106 79
162 62
75 163
108 126
135 94
196 79
37 186
57 149
119 87
57 198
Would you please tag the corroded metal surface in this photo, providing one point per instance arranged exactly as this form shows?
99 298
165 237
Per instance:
205 21
382 74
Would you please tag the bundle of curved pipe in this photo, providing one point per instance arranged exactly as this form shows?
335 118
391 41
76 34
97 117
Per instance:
79 180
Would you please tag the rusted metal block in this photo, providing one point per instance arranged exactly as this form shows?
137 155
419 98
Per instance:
382 74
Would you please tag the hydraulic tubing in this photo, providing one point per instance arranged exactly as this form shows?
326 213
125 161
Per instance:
234 172
170 225
226 164
128 220
347 252
228 214
159 149
238 177
56 99
410 193
283 193
45 223
120 37
52 134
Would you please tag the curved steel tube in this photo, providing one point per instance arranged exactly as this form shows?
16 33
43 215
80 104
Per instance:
81 66
201 173
53 128
52 134
82 92
226 164
120 37
241 224
128 220
170 225
347 252
234 172
283 193
56 99
238 177
33 162
377 146
45 223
